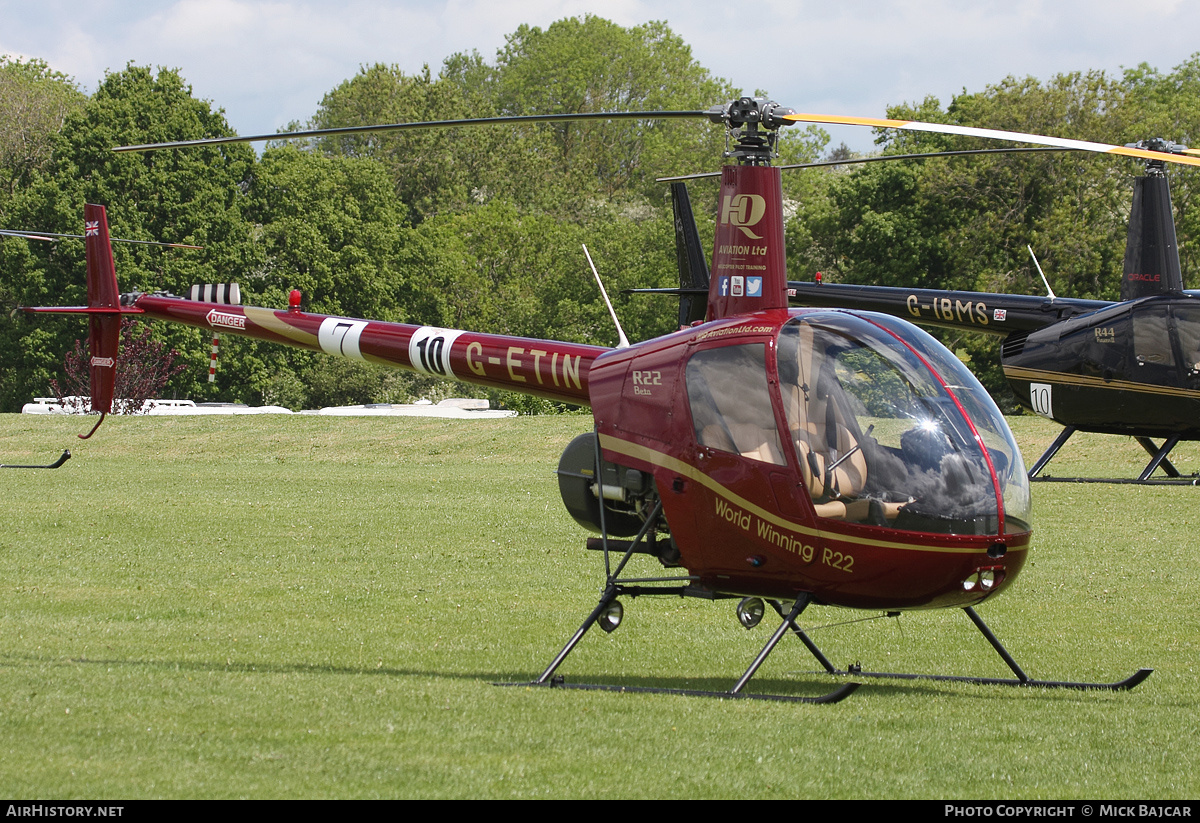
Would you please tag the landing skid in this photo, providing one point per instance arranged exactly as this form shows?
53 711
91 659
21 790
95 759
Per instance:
549 679
63 458
1158 459
835 696
1021 678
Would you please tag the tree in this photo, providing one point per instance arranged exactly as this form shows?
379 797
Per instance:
193 197
499 270
588 64
330 227
433 171
477 228
34 104
576 65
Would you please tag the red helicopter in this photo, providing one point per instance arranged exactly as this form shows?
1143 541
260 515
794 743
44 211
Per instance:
770 455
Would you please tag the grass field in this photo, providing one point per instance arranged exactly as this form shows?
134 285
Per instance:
311 607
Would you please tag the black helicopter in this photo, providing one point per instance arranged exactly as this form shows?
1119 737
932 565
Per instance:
1130 367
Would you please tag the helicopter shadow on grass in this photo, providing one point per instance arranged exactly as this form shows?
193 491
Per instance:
787 689
784 688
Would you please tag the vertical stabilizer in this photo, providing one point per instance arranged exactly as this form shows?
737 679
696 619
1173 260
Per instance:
104 308
749 272
103 311
1151 250
689 252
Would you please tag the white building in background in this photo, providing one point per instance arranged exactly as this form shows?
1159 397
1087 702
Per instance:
456 407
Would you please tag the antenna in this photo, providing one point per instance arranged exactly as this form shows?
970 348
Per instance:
624 344
1049 290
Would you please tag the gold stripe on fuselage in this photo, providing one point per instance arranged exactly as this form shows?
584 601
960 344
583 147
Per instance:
266 319
1092 382
665 461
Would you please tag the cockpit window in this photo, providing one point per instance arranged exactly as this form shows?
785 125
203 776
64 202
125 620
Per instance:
731 404
878 438
1187 328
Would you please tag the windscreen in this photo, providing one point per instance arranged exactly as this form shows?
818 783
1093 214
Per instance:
878 417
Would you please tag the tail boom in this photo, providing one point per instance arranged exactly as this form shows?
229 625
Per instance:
550 369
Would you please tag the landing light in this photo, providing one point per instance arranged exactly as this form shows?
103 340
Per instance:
610 618
984 580
750 611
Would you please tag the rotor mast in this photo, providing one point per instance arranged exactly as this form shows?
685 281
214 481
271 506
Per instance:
749 272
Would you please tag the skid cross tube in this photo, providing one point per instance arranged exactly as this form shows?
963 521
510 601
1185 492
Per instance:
1021 679
1063 437
790 620
1158 459
805 639
615 589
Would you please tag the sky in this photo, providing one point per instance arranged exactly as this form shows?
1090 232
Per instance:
269 62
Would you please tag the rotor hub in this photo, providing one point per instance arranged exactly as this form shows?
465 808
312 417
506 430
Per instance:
753 128
1158 144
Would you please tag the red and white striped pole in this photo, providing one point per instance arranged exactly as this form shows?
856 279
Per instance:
212 361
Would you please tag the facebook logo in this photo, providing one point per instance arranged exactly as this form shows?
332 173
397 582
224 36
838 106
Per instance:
724 286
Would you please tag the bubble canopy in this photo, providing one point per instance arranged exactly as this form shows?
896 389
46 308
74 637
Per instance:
891 429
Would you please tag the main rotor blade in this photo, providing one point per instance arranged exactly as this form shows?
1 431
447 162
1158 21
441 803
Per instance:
992 134
50 236
875 158
427 124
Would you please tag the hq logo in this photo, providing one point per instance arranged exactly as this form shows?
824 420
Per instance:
743 211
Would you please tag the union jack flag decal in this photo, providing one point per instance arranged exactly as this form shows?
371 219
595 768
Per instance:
91 228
